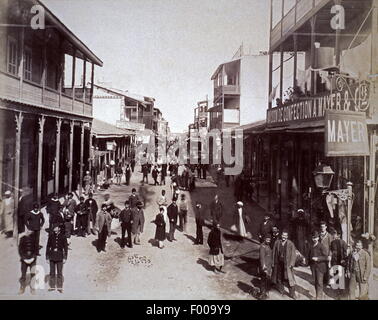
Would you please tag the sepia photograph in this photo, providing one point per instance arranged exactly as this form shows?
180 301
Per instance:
189 150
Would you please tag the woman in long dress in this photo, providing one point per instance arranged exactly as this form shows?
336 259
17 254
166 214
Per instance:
240 219
216 257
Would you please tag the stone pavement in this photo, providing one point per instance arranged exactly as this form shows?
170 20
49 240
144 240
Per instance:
179 271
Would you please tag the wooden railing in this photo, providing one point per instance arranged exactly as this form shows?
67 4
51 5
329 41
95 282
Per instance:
226 89
32 93
301 11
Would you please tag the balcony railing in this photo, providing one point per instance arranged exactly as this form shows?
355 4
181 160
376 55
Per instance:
226 89
293 17
34 94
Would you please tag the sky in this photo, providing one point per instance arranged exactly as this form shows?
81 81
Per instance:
166 49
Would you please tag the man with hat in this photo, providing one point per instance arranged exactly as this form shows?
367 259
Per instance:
266 261
126 219
52 208
103 227
318 259
133 199
28 257
138 222
172 216
92 208
56 254
216 210
34 221
81 211
266 227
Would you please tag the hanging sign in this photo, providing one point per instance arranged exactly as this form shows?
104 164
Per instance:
346 134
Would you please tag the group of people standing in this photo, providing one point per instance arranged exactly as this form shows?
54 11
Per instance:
333 264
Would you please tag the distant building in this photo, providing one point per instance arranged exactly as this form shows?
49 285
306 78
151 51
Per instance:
123 108
240 87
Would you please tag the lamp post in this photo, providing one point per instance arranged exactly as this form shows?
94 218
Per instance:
323 176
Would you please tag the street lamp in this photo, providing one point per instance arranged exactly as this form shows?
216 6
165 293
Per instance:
323 175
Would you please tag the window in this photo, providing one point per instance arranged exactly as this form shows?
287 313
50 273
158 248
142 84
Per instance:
28 64
12 56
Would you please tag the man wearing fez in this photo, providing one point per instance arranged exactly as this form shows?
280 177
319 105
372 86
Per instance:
56 254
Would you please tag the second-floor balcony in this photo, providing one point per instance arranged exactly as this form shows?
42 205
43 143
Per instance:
288 15
226 90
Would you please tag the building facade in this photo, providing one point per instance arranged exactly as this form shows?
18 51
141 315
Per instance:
45 103
239 91
322 110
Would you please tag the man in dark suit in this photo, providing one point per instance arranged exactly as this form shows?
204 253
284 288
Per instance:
56 253
52 208
284 259
266 227
34 221
172 212
24 206
200 221
138 222
126 220
318 259
133 199
92 208
266 261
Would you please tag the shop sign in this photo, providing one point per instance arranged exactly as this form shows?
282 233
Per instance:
345 97
110 145
346 134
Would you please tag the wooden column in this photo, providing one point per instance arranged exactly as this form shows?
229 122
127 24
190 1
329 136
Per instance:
41 125
21 67
57 153
81 158
295 39
70 168
281 72
84 80
92 82
44 65
270 80
19 117
91 154
313 53
73 77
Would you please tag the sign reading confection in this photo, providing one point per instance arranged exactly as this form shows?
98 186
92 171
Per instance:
345 134
345 97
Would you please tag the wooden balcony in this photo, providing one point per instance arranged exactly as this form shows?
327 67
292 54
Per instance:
227 90
34 94
293 19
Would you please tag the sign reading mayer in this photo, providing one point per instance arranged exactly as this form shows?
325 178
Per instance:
345 134
345 97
